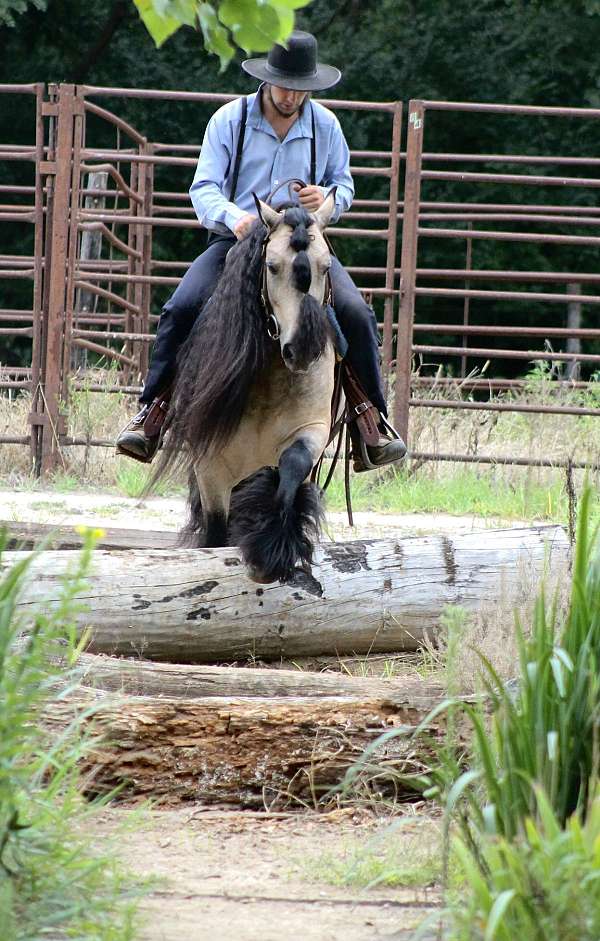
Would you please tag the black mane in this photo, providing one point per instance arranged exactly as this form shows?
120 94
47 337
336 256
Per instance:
227 349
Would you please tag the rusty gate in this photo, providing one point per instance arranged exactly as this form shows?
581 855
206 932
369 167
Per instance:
99 193
102 301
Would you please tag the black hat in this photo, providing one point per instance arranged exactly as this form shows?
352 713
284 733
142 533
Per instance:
295 67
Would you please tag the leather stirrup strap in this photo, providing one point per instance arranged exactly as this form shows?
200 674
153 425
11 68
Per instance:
157 413
360 409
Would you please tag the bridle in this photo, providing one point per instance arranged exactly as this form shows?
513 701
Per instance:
271 323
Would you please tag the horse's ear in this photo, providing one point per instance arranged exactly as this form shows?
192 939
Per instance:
268 216
325 212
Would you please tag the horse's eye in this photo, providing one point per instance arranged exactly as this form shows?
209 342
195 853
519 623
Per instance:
273 268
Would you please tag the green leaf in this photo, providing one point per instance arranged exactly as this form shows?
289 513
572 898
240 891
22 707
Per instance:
497 913
291 4
182 10
254 28
160 27
215 35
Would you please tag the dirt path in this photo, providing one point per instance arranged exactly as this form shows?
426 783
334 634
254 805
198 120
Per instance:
97 509
227 876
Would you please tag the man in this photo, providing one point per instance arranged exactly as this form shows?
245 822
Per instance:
254 145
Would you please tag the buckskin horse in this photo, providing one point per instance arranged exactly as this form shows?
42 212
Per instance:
250 414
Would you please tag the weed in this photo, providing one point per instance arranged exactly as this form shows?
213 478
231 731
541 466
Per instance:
398 856
53 881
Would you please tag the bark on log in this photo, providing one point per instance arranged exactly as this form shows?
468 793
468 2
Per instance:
254 751
179 681
198 605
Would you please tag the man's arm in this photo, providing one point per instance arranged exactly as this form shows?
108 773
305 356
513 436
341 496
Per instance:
337 172
207 191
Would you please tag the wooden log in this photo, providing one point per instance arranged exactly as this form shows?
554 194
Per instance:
198 606
253 751
28 535
182 681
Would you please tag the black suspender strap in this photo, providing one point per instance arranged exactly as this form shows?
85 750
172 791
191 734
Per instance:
240 147
313 148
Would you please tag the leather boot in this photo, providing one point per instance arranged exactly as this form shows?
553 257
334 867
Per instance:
141 437
389 448
375 442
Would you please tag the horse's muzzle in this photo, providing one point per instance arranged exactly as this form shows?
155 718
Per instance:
294 362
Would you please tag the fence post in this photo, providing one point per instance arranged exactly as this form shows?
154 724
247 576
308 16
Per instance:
408 264
574 323
91 250
57 169
37 346
390 268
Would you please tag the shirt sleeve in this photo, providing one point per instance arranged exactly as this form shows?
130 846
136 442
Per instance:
337 172
214 210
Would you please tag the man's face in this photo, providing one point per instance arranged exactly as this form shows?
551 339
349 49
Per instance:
285 101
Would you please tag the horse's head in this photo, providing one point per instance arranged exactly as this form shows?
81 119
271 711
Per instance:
295 280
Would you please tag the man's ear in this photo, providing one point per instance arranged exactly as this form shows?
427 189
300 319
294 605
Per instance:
268 216
325 212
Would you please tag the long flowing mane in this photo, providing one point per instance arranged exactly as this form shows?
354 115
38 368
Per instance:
226 351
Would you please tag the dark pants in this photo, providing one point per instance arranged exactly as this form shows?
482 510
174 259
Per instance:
355 317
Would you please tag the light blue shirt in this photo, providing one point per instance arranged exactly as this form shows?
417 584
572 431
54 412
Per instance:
266 162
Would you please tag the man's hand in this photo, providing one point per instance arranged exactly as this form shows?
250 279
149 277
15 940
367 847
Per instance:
241 228
311 198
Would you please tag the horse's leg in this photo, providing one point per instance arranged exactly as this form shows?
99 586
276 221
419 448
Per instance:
276 516
215 493
295 465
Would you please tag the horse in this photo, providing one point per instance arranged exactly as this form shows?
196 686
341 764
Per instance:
250 414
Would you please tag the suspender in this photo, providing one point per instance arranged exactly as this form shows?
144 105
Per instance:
313 147
240 147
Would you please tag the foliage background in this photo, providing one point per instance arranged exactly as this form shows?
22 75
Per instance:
535 52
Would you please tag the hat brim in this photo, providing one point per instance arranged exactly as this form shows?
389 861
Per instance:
325 77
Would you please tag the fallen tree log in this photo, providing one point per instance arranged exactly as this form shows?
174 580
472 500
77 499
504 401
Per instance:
198 605
25 535
250 752
182 681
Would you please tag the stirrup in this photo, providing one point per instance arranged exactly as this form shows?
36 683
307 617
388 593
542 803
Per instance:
364 451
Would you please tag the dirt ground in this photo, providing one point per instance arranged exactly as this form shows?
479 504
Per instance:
242 876
168 514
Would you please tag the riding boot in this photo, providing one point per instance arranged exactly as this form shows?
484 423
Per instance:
142 436
375 442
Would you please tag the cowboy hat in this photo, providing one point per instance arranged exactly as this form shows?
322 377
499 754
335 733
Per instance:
295 67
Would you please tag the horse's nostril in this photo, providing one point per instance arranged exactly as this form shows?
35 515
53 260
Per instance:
288 353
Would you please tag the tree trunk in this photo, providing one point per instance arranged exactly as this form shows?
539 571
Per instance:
198 605
182 681
253 752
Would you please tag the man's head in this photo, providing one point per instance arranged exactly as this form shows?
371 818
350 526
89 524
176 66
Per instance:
285 101
295 68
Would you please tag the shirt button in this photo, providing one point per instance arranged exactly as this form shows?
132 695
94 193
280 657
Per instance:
276 182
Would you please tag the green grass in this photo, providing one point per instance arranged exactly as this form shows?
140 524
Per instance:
55 881
466 492
393 858
526 795
131 478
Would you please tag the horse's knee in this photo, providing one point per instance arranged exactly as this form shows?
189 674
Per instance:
295 464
